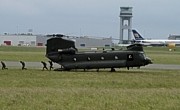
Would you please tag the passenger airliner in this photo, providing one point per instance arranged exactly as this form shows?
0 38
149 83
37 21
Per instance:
139 39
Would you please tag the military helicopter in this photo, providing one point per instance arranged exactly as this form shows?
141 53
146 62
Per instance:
64 52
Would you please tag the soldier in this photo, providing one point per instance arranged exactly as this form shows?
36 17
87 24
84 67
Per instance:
3 65
44 65
50 65
23 65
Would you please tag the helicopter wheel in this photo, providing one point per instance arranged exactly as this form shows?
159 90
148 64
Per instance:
113 70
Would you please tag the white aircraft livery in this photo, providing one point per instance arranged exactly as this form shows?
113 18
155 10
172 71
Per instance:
153 42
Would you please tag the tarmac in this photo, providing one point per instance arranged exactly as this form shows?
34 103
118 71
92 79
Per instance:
38 65
163 66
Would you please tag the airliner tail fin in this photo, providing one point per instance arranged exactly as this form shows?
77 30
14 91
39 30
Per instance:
137 36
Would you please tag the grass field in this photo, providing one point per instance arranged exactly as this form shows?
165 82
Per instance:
159 55
123 90
135 89
22 53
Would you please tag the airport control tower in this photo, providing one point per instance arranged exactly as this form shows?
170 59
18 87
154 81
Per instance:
125 24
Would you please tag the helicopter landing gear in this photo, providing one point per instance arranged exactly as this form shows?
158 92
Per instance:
113 70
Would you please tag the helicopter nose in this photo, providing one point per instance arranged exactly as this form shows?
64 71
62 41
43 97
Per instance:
148 61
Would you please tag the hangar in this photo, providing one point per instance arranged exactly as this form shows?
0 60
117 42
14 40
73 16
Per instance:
18 40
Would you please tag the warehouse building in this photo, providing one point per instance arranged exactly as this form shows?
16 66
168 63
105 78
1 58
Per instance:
40 40
90 42
18 40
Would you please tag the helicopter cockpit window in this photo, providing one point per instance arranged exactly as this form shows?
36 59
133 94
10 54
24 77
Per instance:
142 55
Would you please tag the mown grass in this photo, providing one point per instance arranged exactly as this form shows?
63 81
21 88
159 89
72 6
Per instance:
159 55
25 56
122 90
21 49
10 53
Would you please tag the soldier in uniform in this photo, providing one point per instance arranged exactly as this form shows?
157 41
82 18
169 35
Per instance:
23 65
50 65
44 65
3 65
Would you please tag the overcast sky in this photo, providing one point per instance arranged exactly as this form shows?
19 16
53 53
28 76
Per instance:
152 18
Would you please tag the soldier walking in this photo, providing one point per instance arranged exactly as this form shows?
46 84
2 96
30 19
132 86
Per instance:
23 65
51 65
44 65
3 65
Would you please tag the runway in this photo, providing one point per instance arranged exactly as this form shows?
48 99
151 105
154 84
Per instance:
38 65
30 65
163 66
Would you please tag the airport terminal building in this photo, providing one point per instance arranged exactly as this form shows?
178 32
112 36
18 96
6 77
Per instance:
174 37
40 40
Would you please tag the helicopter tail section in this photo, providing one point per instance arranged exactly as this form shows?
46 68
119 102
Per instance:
59 45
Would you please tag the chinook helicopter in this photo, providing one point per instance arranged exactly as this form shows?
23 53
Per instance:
64 52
